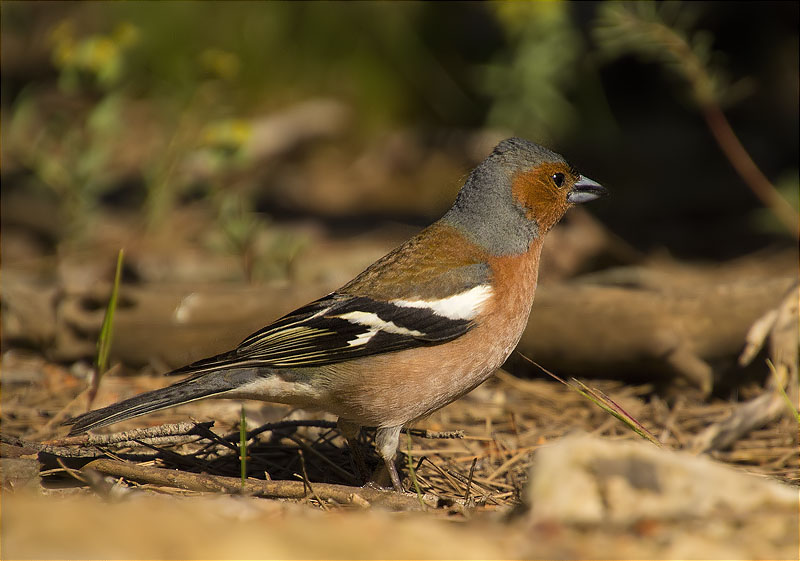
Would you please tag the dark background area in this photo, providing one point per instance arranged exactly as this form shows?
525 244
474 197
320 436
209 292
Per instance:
437 72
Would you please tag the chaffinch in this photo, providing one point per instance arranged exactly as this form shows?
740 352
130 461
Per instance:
417 329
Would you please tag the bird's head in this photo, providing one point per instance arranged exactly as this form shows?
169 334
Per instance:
517 194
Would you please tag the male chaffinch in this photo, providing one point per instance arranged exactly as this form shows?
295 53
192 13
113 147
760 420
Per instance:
416 330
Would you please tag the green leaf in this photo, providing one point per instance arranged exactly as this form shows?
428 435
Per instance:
243 447
107 330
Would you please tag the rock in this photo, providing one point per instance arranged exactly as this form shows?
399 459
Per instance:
583 479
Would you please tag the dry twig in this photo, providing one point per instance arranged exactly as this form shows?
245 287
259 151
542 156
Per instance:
270 489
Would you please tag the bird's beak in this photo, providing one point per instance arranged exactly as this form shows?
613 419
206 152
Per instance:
585 190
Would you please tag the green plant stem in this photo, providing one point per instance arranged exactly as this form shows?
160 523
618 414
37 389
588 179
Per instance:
412 472
243 447
106 332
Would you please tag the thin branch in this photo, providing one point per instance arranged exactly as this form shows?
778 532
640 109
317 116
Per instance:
186 428
272 489
433 434
748 170
306 481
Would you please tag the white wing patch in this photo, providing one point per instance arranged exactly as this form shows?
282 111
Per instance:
363 338
370 319
465 305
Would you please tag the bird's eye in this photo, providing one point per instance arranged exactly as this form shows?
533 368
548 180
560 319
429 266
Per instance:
558 179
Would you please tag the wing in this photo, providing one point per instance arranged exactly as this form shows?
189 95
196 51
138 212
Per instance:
342 327
444 283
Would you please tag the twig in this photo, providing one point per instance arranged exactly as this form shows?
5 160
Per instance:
272 489
186 428
61 451
88 446
75 473
306 481
469 481
432 434
747 169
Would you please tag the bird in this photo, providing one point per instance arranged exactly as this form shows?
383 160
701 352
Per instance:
418 329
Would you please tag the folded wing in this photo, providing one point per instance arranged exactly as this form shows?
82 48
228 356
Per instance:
342 327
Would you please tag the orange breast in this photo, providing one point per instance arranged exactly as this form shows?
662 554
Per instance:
395 388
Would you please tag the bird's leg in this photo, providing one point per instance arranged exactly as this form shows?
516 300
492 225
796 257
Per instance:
386 440
350 430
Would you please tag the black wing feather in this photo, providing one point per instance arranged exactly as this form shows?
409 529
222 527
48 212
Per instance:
316 335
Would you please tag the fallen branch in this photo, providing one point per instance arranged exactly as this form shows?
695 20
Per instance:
89 446
435 434
269 489
686 331
186 428
26 447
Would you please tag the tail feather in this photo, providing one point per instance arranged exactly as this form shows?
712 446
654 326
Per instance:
185 391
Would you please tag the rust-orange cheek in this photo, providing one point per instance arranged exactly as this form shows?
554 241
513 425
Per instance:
541 199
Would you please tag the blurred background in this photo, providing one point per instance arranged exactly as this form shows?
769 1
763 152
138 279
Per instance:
285 146
357 113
